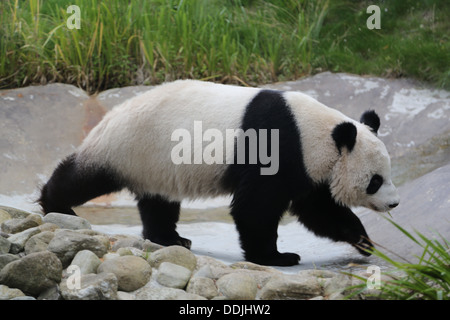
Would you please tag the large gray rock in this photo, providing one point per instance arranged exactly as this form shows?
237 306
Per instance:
33 273
66 243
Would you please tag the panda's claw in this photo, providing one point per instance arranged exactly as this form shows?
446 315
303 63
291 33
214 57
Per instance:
364 246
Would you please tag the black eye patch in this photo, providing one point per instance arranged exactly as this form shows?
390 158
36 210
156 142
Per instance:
375 184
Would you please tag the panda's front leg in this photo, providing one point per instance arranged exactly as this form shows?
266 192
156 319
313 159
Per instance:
257 213
320 213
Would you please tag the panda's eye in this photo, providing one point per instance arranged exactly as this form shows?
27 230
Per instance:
375 184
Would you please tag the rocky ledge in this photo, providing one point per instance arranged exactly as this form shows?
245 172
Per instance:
60 257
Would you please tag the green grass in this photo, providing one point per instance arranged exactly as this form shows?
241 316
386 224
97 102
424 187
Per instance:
427 279
232 41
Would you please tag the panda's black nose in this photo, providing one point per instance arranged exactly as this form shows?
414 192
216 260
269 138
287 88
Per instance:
392 206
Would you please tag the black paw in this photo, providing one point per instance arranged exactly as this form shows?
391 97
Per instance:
184 242
364 246
174 241
278 259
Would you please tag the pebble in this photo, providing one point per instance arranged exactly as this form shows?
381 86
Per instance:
60 257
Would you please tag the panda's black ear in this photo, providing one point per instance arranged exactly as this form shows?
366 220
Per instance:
344 135
371 119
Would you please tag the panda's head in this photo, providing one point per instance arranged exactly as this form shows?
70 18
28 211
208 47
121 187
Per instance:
362 173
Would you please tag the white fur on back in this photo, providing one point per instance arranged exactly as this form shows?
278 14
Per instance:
135 137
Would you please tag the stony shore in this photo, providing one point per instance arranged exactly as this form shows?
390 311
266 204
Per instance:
60 257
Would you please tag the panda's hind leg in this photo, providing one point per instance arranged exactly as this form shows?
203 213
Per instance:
159 217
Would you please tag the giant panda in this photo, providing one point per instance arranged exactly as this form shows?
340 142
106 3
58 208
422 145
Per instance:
326 164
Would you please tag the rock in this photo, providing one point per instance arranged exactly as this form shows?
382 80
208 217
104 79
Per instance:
24 298
41 126
245 265
87 261
134 242
102 286
291 287
5 245
66 221
175 254
103 239
15 213
132 272
53 293
202 286
66 243
33 273
7 293
204 272
336 285
173 275
130 251
164 293
149 246
121 295
212 268
38 242
4 215
48 227
110 255
7 258
18 225
19 239
237 286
